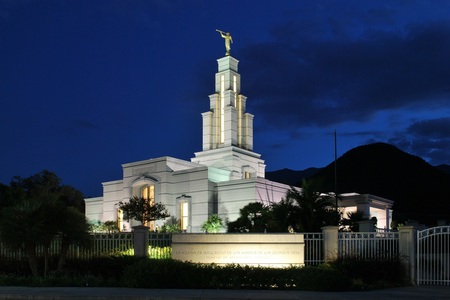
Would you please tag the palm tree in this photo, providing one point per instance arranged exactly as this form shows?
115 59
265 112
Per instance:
213 224
39 212
254 217
315 208
23 226
284 216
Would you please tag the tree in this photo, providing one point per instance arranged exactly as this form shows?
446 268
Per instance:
213 224
22 226
143 210
284 216
46 183
315 209
38 213
73 229
254 217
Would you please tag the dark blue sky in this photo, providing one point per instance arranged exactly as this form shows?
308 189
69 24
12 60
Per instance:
87 85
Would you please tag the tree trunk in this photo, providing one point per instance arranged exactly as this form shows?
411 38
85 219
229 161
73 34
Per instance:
63 254
46 261
30 249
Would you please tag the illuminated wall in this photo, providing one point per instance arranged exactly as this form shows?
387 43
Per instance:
269 250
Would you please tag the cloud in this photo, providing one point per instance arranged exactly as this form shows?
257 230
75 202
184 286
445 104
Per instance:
74 127
429 139
299 80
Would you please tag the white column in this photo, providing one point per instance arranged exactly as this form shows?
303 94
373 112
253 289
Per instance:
330 242
407 248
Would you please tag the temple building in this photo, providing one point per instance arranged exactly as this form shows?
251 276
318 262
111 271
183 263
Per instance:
221 179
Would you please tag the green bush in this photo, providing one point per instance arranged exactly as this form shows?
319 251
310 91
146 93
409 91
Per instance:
129 271
373 273
148 273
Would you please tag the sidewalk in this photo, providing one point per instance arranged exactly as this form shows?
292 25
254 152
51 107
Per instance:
88 293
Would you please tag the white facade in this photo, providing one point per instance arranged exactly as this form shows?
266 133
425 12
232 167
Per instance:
221 179
370 205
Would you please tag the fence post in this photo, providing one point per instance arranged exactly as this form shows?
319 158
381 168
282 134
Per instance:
140 239
330 242
407 248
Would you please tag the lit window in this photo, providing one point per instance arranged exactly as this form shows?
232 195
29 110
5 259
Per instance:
247 175
148 193
184 215
235 89
222 109
120 219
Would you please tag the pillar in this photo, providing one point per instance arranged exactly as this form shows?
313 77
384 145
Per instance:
407 240
140 239
330 243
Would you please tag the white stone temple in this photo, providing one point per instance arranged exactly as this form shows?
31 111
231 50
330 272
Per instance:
221 179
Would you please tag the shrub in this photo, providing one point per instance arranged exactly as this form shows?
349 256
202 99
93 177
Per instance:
373 273
148 273
129 271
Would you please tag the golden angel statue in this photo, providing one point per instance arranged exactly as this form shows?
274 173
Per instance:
228 40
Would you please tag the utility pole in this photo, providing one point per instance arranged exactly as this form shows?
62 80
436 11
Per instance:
335 172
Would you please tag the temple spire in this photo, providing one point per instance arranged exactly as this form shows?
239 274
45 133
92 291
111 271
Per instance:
227 123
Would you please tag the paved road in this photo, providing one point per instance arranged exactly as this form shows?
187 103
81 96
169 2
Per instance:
88 293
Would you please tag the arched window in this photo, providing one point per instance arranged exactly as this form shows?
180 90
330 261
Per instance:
148 192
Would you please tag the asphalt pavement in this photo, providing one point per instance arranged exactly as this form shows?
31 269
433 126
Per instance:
94 293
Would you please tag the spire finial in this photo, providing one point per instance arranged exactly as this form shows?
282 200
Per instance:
228 40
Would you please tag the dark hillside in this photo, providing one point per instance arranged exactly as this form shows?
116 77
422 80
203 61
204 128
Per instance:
445 168
420 191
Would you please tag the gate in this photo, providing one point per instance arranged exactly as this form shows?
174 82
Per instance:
433 256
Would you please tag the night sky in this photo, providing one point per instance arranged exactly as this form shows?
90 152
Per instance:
87 85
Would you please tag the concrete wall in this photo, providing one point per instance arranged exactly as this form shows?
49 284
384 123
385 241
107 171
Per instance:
269 250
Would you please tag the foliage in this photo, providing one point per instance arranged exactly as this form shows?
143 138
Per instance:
351 222
46 183
107 226
143 210
213 225
301 210
41 209
284 215
129 271
314 208
373 273
254 217
161 273
170 228
172 225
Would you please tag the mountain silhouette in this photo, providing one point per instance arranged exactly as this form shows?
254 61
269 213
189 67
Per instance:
420 191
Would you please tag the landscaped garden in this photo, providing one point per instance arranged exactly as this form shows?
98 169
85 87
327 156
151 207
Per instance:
128 271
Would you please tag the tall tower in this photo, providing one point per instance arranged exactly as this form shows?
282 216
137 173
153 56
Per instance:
227 123
228 128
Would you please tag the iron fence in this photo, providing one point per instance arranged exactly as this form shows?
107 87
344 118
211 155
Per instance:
368 245
313 248
433 256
